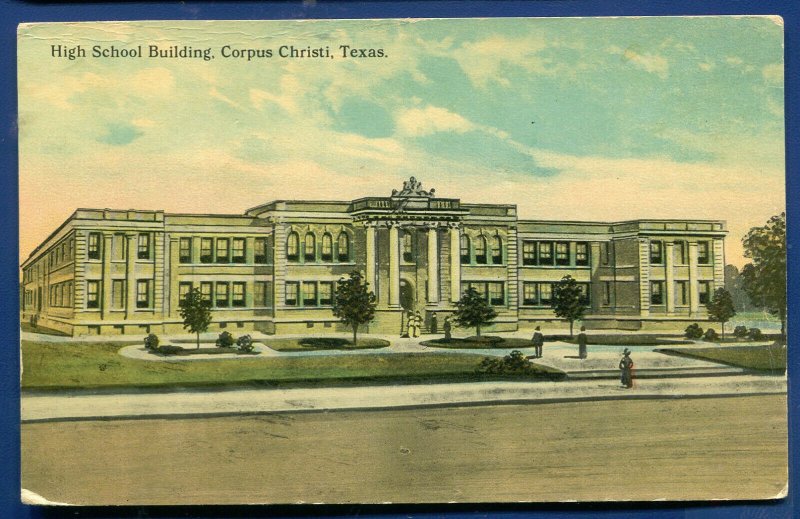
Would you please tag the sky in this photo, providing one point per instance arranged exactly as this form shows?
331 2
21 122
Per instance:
602 119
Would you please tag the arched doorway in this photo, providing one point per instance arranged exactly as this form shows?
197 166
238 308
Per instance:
407 294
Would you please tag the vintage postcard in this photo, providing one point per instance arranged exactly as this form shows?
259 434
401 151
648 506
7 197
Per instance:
402 261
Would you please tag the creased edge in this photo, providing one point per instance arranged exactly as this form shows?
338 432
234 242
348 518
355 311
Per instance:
32 498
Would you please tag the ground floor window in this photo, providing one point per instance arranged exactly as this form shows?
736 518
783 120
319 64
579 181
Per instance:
92 294
143 293
704 291
682 293
118 294
239 299
656 293
492 291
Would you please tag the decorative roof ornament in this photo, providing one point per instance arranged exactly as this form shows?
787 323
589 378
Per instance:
413 187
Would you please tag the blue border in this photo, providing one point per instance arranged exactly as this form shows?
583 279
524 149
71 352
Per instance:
14 12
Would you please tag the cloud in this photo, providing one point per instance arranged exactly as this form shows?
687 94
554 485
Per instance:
487 61
418 122
652 63
773 73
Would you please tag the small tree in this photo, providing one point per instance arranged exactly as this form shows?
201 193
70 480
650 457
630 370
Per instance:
569 301
720 308
473 310
196 313
354 304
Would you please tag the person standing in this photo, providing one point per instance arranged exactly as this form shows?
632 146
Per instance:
434 323
447 328
626 365
409 324
417 324
582 343
538 342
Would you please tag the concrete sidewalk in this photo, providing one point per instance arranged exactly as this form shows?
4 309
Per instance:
245 401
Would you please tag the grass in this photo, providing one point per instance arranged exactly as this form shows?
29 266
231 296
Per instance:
168 350
618 339
29 328
482 343
771 358
324 343
98 365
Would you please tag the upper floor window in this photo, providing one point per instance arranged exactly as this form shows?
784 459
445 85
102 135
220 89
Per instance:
344 246
293 246
656 252
407 250
223 250
93 250
310 247
605 252
464 243
238 251
185 250
529 253
480 250
260 250
326 253
206 250
562 253
143 247
545 253
582 254
703 253
497 250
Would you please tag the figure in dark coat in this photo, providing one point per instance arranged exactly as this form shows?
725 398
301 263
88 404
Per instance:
447 327
582 343
538 342
434 323
626 365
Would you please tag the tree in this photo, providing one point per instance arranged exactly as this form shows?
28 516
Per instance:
720 308
196 313
764 279
354 304
569 301
473 310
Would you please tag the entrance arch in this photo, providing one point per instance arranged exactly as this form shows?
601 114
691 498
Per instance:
407 294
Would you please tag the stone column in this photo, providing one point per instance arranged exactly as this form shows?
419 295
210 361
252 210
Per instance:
130 276
394 265
694 295
105 301
455 263
669 279
370 266
433 264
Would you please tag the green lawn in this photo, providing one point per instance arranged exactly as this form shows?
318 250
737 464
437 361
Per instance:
762 358
486 343
324 343
638 339
95 365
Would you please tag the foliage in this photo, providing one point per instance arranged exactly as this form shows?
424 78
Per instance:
710 335
740 332
720 308
514 362
196 313
693 331
764 279
225 340
755 334
245 343
151 341
569 302
354 304
473 310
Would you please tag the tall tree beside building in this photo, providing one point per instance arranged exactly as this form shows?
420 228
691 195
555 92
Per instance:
196 313
569 301
353 303
764 279
720 308
473 310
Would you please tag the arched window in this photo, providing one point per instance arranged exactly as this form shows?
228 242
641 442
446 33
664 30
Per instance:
497 250
408 253
464 249
343 242
293 246
309 247
480 250
327 247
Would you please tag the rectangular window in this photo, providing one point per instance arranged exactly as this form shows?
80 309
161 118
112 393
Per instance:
683 293
326 251
656 293
407 247
92 294
60 294
238 250
206 288
529 253
238 299
93 251
118 294
260 250
260 294
705 288
529 294
69 294
545 293
143 247
326 293
309 293
545 253
585 293
184 288
292 288
497 250
185 254
703 253
582 254
606 293
143 293
680 252
206 250
480 250
221 297
656 252
562 253
223 254
496 294
605 252
481 289
309 247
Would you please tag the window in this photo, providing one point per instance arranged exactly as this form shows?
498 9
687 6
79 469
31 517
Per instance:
545 293
606 293
586 297
582 254
605 252
703 256
185 252
326 293
310 247
705 288
464 242
480 288
480 250
206 291
93 251
562 253
118 247
406 249
344 246
260 250
545 253
327 247
496 294
184 288
680 252
221 294
529 253
143 293
238 250
309 293
143 247
497 250
293 247
291 293
60 295
223 252
92 294
238 299
118 293
206 250
656 252
656 293
529 294
683 293
260 294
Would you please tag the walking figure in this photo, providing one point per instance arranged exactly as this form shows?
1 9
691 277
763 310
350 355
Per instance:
409 325
538 342
434 323
582 343
626 365
447 327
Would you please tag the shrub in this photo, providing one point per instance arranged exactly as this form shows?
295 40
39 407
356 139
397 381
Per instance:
755 334
514 362
151 341
740 332
245 343
693 331
225 340
710 335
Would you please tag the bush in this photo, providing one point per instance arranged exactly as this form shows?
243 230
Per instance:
740 332
693 331
151 341
710 335
225 340
514 362
245 344
755 334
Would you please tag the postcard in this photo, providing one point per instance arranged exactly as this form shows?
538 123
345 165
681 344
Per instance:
402 261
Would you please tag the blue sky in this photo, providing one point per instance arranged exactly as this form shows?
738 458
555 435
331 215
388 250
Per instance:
581 119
